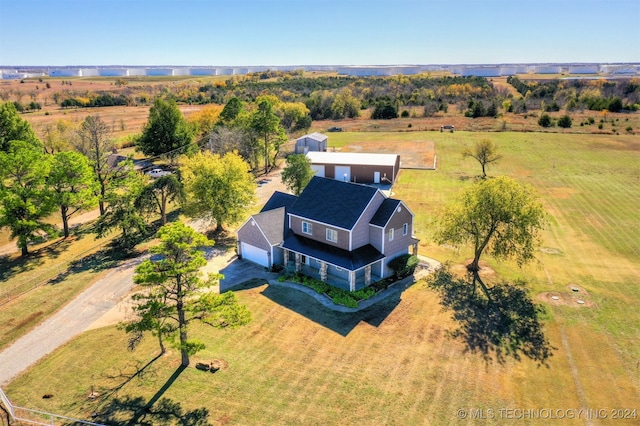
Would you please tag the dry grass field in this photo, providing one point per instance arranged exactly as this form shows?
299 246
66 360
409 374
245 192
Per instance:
129 120
396 363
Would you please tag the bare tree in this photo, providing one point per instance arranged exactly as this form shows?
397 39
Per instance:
485 152
94 141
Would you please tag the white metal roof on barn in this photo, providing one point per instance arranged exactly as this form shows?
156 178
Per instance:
352 158
315 136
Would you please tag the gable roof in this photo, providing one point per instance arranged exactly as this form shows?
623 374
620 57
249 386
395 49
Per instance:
333 202
279 199
315 136
271 223
384 212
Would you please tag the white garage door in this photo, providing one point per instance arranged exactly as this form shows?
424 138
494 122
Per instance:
254 254
319 169
343 173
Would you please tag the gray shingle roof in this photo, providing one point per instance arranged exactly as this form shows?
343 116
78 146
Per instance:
279 199
271 223
384 212
333 202
351 260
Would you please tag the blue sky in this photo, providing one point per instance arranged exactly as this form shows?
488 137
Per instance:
314 32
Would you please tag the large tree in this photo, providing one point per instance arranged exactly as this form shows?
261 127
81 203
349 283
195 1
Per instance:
484 152
122 211
94 141
225 139
166 131
297 173
231 110
25 199
219 189
294 116
14 128
156 196
174 298
345 105
58 136
499 216
266 124
73 185
205 119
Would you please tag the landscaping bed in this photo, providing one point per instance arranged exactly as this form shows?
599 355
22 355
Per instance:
350 299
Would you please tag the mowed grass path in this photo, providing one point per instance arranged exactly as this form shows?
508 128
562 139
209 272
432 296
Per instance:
298 363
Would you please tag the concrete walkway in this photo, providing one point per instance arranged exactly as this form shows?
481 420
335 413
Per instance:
428 265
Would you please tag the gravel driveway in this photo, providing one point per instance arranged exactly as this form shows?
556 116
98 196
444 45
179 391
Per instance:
68 322
100 304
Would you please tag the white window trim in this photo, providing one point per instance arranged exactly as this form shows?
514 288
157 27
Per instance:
405 229
332 232
309 227
390 234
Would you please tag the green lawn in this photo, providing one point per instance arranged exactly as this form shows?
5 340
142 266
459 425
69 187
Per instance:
298 363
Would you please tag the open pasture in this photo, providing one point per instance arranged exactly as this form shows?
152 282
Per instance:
299 363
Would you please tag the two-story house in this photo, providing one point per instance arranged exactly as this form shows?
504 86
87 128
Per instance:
340 232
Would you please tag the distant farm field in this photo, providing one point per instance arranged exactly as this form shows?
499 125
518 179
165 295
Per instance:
395 364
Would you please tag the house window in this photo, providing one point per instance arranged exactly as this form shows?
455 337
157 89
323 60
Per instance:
332 235
405 229
391 234
307 228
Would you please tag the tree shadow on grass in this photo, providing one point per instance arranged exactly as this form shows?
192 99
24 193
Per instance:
14 264
507 326
107 258
124 376
130 410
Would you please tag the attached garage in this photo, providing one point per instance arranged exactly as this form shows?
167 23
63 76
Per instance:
254 254
260 236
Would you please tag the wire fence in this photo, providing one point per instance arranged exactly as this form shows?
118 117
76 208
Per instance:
47 276
36 417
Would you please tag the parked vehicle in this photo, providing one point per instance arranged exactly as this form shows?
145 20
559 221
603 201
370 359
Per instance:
156 173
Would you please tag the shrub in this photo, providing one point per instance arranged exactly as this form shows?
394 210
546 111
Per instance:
544 120
565 122
341 299
629 129
364 293
403 265
384 111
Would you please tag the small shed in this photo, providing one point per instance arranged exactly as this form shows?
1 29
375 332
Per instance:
356 167
311 142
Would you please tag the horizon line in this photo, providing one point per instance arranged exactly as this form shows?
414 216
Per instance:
335 65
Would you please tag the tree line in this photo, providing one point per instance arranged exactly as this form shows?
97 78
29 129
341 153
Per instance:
82 172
